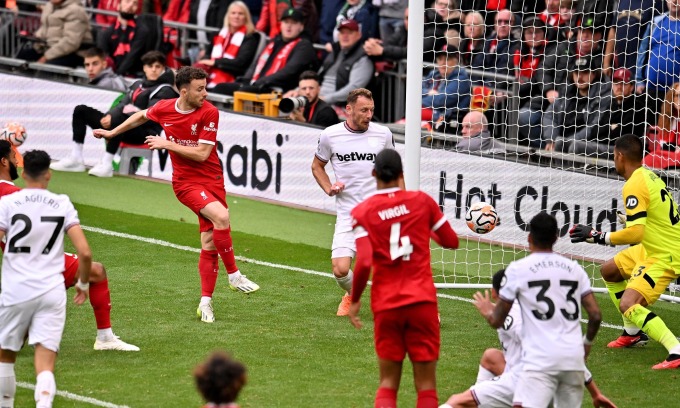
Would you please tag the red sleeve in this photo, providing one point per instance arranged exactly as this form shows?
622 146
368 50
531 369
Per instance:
152 112
210 124
263 22
362 267
442 233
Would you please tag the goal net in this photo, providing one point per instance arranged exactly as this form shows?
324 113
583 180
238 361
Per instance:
520 105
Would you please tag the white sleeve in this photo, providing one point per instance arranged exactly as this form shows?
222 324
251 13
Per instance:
70 216
323 149
389 139
584 283
508 291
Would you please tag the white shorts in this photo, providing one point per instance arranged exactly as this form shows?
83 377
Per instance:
535 389
496 392
343 245
43 318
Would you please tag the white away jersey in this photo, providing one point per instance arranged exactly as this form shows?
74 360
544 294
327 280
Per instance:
510 336
34 221
549 288
352 155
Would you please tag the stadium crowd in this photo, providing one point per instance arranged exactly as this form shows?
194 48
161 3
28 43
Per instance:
582 72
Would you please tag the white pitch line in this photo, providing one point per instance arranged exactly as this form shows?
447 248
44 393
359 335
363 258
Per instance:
75 397
269 264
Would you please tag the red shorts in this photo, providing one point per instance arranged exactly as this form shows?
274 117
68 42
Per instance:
412 329
70 269
196 197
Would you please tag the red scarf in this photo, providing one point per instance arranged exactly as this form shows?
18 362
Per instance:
279 60
527 64
553 20
225 45
126 35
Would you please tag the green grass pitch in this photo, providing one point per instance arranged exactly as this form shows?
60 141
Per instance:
298 353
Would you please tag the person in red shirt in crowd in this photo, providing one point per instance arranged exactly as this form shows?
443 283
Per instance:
393 229
220 379
190 123
100 296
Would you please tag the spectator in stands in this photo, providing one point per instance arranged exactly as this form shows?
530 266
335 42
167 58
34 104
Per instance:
500 47
234 47
450 14
105 20
64 30
658 62
347 67
364 13
435 31
329 12
219 380
670 113
316 111
157 84
392 48
130 37
578 114
472 44
525 61
627 27
99 73
446 89
391 14
628 113
476 136
272 12
557 18
281 62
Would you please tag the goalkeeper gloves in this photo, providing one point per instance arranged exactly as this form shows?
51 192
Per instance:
581 233
622 217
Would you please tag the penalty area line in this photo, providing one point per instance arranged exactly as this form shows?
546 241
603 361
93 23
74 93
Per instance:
268 264
75 397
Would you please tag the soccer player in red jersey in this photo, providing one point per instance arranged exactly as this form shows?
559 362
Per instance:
100 296
190 124
393 229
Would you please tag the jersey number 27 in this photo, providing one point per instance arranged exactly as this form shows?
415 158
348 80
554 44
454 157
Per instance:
12 246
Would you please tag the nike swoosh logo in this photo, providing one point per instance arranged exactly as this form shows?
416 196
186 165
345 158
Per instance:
168 124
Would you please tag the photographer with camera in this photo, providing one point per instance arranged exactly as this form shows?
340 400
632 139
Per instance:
304 105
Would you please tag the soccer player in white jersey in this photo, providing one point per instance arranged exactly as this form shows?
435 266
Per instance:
499 370
351 147
551 290
33 298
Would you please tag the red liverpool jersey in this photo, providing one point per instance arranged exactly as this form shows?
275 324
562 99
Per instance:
189 128
398 224
7 187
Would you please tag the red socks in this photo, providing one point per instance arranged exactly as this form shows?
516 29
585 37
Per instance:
427 399
100 299
208 269
386 398
224 245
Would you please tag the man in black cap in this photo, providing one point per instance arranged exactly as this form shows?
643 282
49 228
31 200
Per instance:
280 63
446 89
577 114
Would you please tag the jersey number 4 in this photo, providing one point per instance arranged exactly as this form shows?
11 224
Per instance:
541 297
399 246
28 225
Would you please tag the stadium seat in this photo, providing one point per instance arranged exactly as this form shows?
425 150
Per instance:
129 152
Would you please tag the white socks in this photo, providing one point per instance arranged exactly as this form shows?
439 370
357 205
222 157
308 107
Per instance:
104 334
346 281
107 159
45 389
484 375
8 385
77 152
205 299
234 276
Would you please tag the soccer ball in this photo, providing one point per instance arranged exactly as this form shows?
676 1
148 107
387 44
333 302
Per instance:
481 217
14 132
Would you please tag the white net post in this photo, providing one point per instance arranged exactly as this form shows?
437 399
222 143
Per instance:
414 75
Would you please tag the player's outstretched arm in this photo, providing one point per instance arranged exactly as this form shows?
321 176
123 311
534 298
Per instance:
445 236
594 319
599 399
494 314
627 236
321 177
198 153
77 237
137 119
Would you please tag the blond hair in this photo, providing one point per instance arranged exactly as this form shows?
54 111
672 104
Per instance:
250 27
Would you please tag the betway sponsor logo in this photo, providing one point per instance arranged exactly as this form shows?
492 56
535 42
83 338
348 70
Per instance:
355 156
393 212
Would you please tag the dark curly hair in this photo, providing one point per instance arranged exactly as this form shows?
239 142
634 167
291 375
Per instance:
220 378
